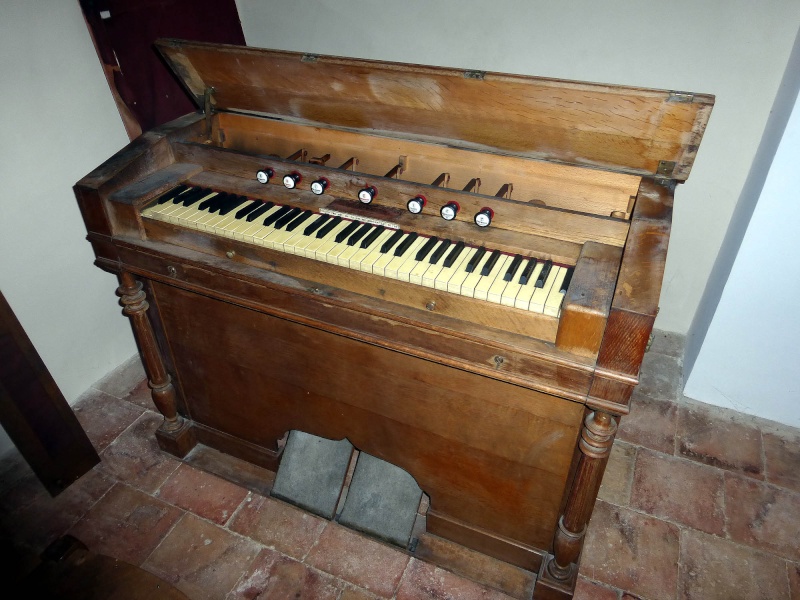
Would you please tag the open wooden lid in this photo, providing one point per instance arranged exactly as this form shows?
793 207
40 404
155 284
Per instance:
631 130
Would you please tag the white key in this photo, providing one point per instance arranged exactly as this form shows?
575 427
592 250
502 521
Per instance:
343 259
374 251
298 241
393 269
310 251
411 263
540 295
552 305
229 227
329 241
379 266
495 292
487 281
247 227
185 215
523 299
168 206
428 277
474 278
456 274
444 276
359 258
300 244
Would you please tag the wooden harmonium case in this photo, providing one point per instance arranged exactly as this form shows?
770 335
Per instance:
456 270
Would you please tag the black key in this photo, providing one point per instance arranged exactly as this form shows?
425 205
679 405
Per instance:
476 258
567 279
512 269
236 202
176 198
219 201
362 231
172 194
454 254
243 212
190 198
277 215
346 232
393 239
528 271
167 196
259 211
287 218
405 244
489 264
328 227
548 264
426 248
367 241
302 218
222 201
439 252
205 204
316 224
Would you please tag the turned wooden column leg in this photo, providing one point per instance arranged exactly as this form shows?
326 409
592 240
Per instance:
174 434
558 576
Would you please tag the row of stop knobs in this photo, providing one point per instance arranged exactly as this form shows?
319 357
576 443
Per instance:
483 218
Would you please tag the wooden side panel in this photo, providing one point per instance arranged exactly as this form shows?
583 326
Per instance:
612 127
588 300
255 376
636 296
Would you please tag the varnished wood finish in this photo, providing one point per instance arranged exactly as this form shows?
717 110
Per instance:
504 417
174 433
611 127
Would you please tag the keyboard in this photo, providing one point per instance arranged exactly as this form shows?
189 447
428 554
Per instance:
524 282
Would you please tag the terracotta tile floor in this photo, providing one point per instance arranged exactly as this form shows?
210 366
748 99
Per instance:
697 503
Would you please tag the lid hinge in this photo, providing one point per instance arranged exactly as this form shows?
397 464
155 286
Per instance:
680 97
208 109
664 172
479 75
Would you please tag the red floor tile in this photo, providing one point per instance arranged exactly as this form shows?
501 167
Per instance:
586 589
202 560
782 458
631 551
103 417
679 490
278 525
763 516
716 569
423 581
359 560
126 524
618 477
706 437
202 494
651 423
274 576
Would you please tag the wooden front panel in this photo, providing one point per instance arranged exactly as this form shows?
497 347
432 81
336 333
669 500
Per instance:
489 453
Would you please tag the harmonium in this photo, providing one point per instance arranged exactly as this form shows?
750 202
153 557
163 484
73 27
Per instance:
456 270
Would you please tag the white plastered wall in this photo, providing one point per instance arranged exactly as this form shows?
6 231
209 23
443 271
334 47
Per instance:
749 359
735 49
58 123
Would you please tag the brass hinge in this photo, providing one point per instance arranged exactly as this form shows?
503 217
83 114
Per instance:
479 75
664 172
680 97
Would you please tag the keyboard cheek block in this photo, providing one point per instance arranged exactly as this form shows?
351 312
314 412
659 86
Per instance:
404 257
